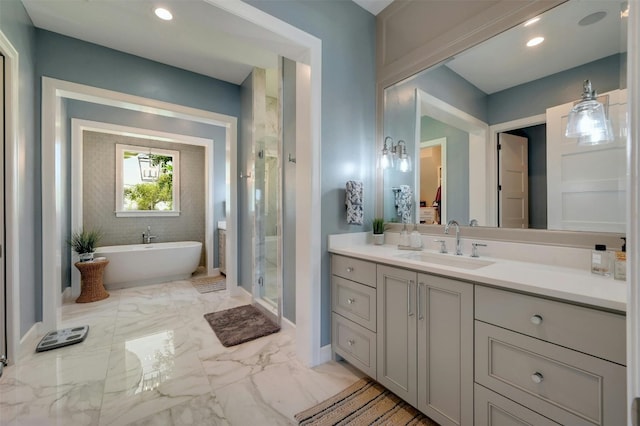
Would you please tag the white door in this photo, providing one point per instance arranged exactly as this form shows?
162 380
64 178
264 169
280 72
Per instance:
3 307
513 181
577 175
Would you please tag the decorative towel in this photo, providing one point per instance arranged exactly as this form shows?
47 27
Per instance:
355 209
404 203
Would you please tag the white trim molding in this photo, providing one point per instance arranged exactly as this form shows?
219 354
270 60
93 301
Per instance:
13 136
53 93
78 126
308 173
308 189
633 206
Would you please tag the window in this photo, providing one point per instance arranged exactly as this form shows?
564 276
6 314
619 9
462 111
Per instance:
147 181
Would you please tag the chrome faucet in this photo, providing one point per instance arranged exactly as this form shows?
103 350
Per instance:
146 238
446 231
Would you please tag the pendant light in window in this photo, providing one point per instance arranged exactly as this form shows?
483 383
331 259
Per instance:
588 121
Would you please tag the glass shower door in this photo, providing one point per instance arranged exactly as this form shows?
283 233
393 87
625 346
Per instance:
268 202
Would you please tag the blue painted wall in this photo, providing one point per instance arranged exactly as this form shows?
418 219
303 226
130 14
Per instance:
348 112
535 97
74 60
16 26
70 59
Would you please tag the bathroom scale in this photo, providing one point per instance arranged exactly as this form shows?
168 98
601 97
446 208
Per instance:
65 337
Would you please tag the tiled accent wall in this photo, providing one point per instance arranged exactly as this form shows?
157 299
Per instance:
99 186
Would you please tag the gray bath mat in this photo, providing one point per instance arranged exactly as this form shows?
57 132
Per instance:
239 325
209 284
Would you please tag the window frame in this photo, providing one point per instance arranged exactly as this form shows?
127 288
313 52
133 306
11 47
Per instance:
120 211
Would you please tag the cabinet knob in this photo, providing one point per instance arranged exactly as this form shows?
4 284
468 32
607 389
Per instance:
536 319
351 300
351 342
349 268
537 377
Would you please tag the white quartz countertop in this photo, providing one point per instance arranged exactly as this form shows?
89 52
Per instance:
569 284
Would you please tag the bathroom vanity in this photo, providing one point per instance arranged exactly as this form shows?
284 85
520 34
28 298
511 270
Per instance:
482 341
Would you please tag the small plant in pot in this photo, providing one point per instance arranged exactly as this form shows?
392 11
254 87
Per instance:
378 231
84 243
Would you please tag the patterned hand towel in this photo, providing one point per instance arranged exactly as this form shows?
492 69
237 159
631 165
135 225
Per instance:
355 208
404 203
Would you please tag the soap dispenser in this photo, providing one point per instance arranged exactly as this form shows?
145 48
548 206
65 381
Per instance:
416 238
620 265
404 236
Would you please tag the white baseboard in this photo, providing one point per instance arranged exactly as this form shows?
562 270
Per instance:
67 295
29 341
287 325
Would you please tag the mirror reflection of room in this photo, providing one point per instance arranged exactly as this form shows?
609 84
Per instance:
519 100
431 181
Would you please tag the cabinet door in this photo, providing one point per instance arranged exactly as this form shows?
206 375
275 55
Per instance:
397 331
445 349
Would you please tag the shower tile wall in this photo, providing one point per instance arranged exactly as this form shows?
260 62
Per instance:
99 165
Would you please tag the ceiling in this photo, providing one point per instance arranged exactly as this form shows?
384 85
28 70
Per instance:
201 38
205 39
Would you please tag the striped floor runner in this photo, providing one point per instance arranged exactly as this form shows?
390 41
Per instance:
363 403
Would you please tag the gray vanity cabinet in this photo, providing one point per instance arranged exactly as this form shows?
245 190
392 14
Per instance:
562 361
425 342
353 294
397 335
445 349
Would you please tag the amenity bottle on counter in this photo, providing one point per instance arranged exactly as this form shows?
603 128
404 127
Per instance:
620 265
415 238
404 236
601 260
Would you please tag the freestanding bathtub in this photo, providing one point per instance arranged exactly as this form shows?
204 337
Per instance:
142 264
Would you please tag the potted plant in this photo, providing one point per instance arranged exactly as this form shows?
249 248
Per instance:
378 231
84 243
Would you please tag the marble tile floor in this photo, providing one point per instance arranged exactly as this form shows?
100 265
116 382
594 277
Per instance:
150 358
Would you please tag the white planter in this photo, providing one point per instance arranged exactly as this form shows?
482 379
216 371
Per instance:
85 257
378 239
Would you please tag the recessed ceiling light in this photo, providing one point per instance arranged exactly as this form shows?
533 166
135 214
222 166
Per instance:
535 41
531 21
163 14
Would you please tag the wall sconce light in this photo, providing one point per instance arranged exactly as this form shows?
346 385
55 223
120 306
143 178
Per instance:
395 155
588 120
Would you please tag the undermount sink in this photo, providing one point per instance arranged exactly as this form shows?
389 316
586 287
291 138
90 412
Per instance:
447 260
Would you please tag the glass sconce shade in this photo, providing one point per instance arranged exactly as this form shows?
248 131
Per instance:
395 156
587 120
386 158
403 163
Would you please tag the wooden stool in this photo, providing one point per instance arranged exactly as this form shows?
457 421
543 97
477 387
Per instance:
92 288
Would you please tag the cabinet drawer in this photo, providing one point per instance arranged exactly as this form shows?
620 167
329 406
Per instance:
355 343
492 409
354 269
564 385
354 301
592 331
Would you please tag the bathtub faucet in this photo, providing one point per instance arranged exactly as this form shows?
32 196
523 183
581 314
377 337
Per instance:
146 238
